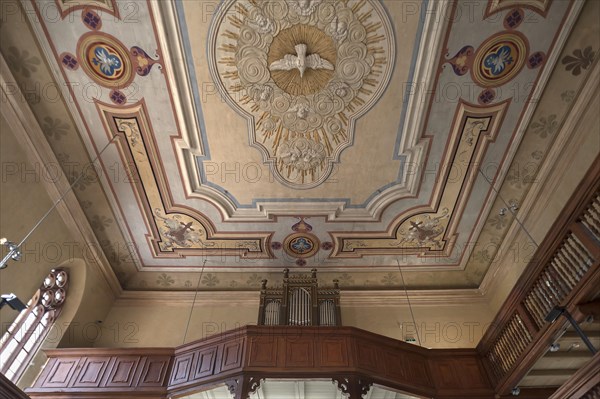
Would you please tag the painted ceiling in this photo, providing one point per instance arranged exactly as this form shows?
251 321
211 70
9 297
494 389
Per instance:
238 137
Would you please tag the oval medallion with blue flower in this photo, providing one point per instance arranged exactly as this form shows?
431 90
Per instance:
499 59
106 60
301 245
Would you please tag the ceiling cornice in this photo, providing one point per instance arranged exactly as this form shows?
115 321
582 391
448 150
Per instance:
348 298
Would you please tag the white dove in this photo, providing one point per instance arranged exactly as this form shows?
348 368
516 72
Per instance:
301 61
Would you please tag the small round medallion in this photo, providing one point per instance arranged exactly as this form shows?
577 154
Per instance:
105 60
499 59
301 245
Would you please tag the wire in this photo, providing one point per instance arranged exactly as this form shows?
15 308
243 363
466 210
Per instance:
64 194
510 208
409 305
194 302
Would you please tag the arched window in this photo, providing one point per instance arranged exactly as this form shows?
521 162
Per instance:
26 334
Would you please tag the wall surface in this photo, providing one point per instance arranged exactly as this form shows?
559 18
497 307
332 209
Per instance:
163 325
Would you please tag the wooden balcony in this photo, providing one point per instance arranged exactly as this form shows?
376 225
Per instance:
563 272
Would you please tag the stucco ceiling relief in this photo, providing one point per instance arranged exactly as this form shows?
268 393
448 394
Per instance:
173 230
431 230
301 72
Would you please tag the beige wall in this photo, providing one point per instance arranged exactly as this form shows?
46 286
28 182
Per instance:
154 324
23 202
162 325
438 326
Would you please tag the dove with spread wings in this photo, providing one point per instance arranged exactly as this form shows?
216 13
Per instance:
301 61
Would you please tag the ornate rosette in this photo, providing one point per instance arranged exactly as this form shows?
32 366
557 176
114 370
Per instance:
499 59
301 245
302 116
105 60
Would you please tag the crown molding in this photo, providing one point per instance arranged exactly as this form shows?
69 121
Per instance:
348 298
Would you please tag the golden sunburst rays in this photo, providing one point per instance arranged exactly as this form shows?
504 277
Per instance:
317 42
275 129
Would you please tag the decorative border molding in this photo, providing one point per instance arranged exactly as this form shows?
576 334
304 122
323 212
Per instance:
473 129
389 298
171 231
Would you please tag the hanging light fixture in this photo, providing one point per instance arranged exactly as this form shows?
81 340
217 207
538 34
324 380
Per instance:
14 252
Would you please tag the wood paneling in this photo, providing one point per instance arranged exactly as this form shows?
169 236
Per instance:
154 372
232 355
205 365
263 351
564 271
333 353
105 372
123 371
8 390
91 372
182 367
255 352
299 353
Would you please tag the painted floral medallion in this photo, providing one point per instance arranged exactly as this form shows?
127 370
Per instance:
105 60
499 59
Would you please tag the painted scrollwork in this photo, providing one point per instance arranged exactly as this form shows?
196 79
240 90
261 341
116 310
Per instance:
303 69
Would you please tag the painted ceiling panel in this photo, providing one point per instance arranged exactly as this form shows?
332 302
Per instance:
356 136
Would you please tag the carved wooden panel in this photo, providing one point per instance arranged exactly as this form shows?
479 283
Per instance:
457 372
262 351
182 366
333 353
367 355
231 357
91 372
299 353
470 373
123 371
392 366
444 373
205 365
417 370
154 372
61 371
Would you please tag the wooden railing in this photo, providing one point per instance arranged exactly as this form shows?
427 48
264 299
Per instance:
355 359
563 272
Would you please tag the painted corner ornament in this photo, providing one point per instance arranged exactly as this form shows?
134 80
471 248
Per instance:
302 72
